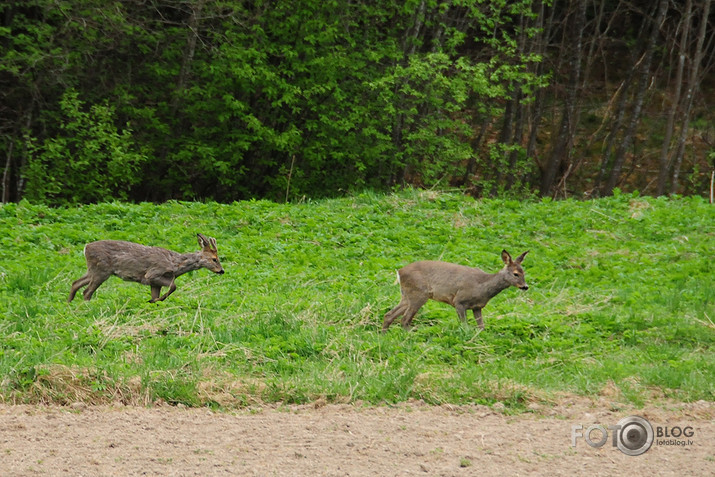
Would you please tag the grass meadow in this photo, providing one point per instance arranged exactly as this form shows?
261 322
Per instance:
621 303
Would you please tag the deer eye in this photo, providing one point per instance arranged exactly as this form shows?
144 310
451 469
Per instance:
516 274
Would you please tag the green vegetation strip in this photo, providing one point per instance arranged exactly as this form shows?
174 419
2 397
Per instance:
620 301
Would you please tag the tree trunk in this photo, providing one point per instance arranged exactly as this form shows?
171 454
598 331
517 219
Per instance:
409 46
517 140
504 140
538 106
514 174
663 171
188 56
475 146
693 85
638 102
617 118
6 174
561 151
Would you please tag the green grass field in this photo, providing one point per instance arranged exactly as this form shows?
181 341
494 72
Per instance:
621 300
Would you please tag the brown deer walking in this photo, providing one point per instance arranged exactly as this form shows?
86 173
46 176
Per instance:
464 288
153 266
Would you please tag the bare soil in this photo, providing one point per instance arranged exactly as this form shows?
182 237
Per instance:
344 440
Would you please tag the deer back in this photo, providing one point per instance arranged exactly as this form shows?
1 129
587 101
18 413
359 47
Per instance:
128 260
441 280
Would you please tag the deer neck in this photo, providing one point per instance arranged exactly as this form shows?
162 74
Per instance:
495 284
187 262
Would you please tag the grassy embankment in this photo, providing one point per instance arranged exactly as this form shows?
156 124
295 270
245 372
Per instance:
621 300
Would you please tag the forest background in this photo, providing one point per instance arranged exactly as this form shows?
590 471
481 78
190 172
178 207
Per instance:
151 100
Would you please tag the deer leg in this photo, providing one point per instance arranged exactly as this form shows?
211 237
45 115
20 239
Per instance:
172 287
415 305
478 316
408 317
461 312
394 313
77 284
94 283
155 292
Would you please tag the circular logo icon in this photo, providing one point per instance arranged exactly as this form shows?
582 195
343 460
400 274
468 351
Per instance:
635 435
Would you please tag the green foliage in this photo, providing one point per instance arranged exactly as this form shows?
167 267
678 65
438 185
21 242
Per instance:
619 297
99 161
304 99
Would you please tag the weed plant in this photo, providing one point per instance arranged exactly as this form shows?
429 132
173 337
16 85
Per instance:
620 303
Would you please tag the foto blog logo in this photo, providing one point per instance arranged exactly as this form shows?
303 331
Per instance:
633 435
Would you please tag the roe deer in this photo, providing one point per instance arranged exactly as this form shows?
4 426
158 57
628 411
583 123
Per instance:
153 266
464 288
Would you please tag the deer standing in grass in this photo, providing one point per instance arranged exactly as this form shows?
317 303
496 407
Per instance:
464 288
153 266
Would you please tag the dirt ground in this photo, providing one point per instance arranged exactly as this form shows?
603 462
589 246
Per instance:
344 440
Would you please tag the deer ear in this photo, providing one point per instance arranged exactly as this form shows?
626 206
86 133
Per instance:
506 258
203 241
520 258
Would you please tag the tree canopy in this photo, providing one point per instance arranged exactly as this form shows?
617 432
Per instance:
227 100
